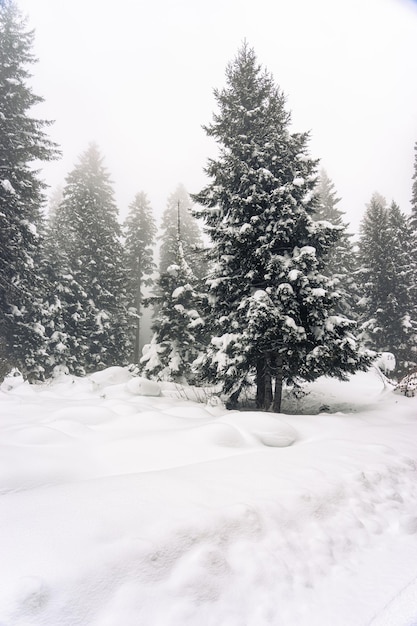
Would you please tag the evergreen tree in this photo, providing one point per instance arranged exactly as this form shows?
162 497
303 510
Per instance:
387 283
178 327
23 142
67 300
140 232
92 263
326 208
190 233
341 262
414 194
54 201
273 309
413 225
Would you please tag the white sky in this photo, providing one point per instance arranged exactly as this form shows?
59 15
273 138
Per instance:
137 77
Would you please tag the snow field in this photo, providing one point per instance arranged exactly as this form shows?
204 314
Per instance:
119 508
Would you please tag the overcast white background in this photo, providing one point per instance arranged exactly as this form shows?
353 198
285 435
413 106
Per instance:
137 77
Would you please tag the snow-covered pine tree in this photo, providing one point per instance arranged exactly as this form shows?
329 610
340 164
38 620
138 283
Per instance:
54 201
23 143
327 201
404 303
140 232
341 262
414 194
190 234
413 224
272 307
67 300
94 255
386 282
178 326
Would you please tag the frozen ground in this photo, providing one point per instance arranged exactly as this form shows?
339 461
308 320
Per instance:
124 509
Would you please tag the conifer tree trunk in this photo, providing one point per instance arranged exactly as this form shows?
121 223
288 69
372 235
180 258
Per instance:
268 382
278 384
260 383
264 382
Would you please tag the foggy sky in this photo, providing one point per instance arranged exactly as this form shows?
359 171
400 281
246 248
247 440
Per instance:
137 77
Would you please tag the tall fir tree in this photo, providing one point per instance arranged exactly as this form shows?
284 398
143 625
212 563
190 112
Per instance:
387 315
341 261
23 143
326 207
93 261
54 201
413 226
273 309
414 194
140 231
70 303
190 233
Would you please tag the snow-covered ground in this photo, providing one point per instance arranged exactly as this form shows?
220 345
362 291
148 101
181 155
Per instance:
124 509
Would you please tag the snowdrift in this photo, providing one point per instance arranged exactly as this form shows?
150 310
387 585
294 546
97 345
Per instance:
123 503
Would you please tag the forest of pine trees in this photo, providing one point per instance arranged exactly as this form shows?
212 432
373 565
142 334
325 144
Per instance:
258 281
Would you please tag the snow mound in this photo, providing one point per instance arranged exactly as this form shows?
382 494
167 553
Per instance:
111 376
267 429
219 434
143 387
386 362
14 379
190 411
35 435
362 391
75 429
85 414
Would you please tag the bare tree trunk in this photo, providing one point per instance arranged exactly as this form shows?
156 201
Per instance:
278 384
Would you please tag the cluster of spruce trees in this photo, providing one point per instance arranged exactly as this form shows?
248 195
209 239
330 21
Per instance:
280 293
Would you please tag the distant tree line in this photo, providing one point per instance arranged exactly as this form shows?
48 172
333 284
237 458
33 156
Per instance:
278 293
